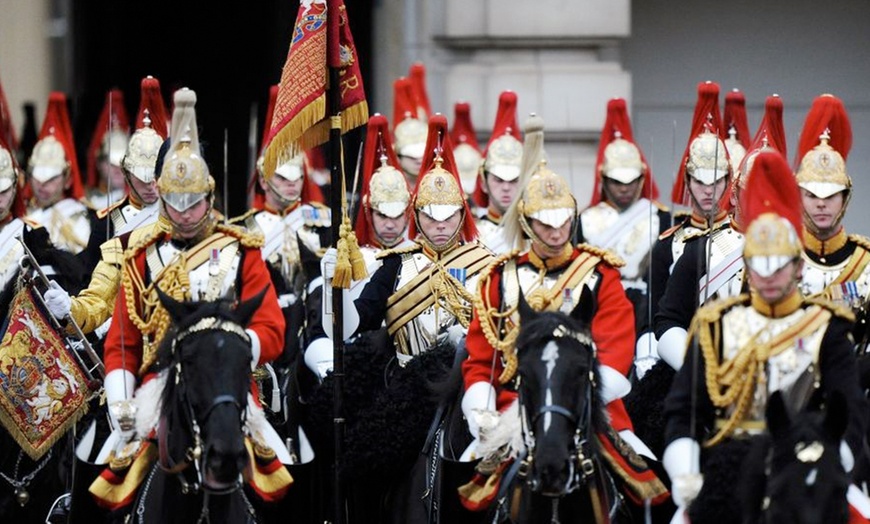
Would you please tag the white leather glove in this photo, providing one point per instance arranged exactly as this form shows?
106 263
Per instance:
645 354
350 316
847 459
614 385
453 334
681 461
103 329
255 348
119 385
57 300
327 263
478 406
672 347
319 357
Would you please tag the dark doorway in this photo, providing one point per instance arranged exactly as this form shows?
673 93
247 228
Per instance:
229 53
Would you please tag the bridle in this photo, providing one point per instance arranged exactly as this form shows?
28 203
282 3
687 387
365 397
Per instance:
193 454
582 459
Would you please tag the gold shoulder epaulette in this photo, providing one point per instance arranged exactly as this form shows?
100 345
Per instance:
861 240
411 248
244 216
697 234
833 307
103 213
660 206
112 252
606 255
246 238
670 231
142 237
713 311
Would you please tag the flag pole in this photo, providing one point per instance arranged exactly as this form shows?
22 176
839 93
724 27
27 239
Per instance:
336 201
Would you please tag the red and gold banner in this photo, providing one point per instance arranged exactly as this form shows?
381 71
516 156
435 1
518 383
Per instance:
321 39
43 391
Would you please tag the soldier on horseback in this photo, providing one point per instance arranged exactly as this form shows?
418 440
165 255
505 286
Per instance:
189 257
745 347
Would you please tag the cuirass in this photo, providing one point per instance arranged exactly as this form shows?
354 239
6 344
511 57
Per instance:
421 333
67 223
283 234
723 244
216 276
792 371
630 234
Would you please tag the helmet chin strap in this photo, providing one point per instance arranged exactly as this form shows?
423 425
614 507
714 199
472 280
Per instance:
284 201
446 245
202 227
6 211
838 220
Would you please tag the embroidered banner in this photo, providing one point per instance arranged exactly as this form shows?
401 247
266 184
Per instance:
43 391
321 39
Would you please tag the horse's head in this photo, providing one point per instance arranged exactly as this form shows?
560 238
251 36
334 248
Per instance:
806 480
208 357
558 376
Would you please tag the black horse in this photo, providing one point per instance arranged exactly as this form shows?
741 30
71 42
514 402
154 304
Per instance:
559 476
795 474
206 358
28 488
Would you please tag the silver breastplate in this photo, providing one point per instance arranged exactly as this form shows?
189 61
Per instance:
818 279
212 280
791 371
67 223
10 250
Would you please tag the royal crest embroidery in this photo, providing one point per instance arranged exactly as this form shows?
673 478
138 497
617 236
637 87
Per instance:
43 391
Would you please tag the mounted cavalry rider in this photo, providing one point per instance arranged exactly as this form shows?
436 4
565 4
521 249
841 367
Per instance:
553 275
745 347
104 182
189 257
624 215
139 208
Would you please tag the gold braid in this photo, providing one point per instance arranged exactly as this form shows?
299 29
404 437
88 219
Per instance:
489 316
457 299
733 381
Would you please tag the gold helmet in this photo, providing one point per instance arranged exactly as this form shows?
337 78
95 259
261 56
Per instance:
708 158
438 194
622 161
823 148
141 156
388 190
292 170
185 179
48 159
822 171
546 198
8 170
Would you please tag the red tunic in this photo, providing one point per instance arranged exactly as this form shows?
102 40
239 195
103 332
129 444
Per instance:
267 321
612 331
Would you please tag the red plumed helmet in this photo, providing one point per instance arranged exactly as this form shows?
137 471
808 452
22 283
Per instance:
619 157
111 135
466 149
55 149
429 193
734 117
151 100
504 151
700 159
826 114
772 214
7 128
417 73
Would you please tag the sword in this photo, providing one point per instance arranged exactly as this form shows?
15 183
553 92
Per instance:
97 364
